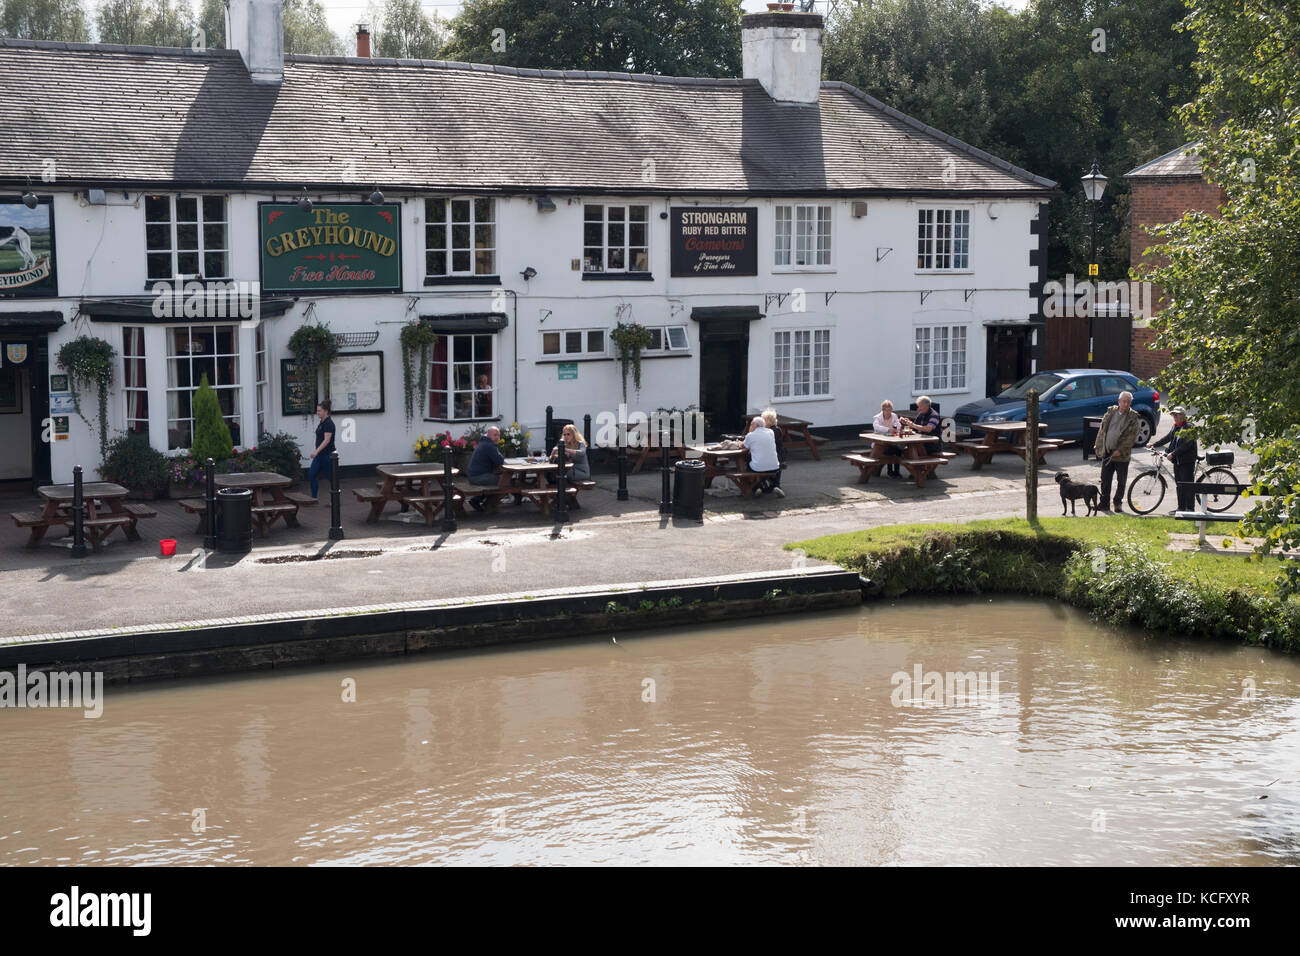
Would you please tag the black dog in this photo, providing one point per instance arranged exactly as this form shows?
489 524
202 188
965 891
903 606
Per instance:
1072 492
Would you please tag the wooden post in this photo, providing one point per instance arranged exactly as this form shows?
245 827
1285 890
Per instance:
1031 455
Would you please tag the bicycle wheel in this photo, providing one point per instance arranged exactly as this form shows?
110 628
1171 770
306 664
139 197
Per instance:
1146 491
1219 476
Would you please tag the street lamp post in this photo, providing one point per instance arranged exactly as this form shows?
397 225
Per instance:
1094 184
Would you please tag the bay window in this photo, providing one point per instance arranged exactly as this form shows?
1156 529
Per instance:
194 351
135 386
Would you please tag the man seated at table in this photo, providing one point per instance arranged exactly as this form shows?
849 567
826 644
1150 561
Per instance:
927 422
485 465
761 445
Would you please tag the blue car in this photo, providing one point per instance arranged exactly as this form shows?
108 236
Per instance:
1065 396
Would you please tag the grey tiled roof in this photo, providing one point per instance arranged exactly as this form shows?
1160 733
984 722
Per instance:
1183 161
139 115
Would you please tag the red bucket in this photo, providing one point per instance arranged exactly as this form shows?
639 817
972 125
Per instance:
168 546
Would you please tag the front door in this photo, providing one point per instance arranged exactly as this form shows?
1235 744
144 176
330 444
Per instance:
724 377
1007 356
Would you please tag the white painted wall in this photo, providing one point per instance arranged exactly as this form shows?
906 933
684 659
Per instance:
875 306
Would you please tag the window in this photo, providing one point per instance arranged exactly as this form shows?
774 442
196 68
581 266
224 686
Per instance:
1113 385
1078 388
803 235
186 237
461 378
574 342
615 239
671 338
261 380
940 359
194 351
801 366
134 386
460 237
943 239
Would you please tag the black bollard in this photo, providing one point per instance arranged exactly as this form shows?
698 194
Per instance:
78 516
549 424
622 463
586 428
665 495
336 508
562 486
210 506
448 515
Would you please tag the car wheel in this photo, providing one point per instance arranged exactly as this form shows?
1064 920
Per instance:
1145 428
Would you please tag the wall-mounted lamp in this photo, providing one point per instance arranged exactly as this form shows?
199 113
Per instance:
545 204
29 197
304 201
528 273
376 197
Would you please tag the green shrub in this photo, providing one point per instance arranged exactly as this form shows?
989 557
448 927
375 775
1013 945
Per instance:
211 434
281 454
131 461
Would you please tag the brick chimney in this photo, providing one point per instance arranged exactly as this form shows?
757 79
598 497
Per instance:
783 51
256 29
363 41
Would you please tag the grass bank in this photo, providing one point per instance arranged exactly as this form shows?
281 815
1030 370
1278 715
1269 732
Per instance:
1117 567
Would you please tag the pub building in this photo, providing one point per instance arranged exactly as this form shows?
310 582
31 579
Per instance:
787 241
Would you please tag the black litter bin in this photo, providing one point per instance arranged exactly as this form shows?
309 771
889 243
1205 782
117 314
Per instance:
234 520
688 489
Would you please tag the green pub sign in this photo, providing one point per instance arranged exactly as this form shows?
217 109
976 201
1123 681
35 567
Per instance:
336 247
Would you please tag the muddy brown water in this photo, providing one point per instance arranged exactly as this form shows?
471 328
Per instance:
771 741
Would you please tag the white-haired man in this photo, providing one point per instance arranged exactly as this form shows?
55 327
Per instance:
1114 446
761 444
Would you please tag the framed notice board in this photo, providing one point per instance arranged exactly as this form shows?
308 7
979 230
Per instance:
297 389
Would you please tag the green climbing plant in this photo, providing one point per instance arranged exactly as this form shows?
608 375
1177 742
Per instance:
314 347
89 361
630 338
416 338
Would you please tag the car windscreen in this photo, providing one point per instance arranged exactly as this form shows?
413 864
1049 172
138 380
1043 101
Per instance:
1041 383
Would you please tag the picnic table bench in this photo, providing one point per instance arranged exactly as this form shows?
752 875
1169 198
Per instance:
1202 490
1002 438
413 485
727 463
271 502
919 464
520 479
106 509
795 434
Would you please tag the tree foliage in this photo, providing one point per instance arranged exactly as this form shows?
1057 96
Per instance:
1233 281
669 37
145 22
401 30
64 20
211 433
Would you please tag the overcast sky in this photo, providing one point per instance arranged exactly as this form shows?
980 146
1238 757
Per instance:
345 14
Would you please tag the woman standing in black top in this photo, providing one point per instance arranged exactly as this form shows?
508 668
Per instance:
320 458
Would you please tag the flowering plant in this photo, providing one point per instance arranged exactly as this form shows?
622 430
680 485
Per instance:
513 441
187 471
430 448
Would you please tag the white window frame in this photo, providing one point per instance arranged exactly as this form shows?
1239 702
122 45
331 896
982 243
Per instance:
130 332
451 389
799 241
448 224
664 335
626 246
565 353
933 247
174 249
237 417
926 380
261 363
790 383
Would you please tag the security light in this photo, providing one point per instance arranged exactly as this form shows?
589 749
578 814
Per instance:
304 201
545 204
376 197
528 273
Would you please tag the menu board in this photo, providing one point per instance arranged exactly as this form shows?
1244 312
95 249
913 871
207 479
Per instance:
297 389
714 241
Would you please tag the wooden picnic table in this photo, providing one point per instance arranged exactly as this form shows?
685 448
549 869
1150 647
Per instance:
414 485
106 509
270 500
920 466
727 463
795 434
1005 437
521 478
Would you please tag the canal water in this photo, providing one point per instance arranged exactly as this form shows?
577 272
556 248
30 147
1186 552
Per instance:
837 738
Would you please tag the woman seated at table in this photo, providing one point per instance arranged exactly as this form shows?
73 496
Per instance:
927 422
887 423
575 451
761 445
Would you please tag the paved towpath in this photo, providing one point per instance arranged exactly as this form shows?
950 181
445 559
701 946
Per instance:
517 550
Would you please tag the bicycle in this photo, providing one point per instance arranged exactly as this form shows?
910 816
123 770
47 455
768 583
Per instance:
1147 490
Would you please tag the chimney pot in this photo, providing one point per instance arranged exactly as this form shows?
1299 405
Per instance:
363 41
783 51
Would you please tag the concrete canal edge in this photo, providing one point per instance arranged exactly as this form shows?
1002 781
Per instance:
336 635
